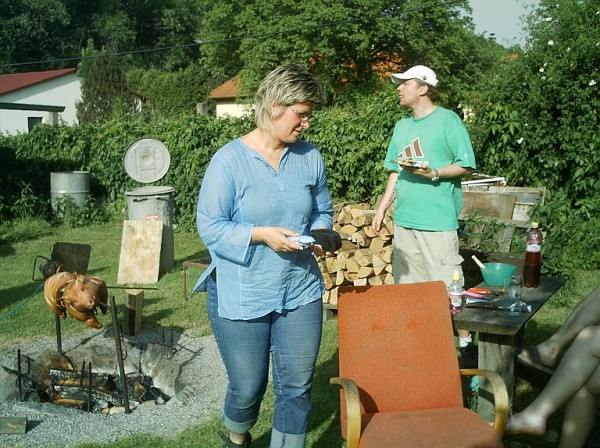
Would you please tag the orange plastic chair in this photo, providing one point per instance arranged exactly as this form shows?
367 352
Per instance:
399 372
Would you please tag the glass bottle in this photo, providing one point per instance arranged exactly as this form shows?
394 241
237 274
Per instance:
532 265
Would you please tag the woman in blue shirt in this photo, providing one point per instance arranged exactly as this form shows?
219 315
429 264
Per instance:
264 292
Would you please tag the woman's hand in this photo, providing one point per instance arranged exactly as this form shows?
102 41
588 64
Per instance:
276 238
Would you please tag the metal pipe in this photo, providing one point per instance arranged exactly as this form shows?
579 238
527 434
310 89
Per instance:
113 311
81 376
58 336
19 375
89 404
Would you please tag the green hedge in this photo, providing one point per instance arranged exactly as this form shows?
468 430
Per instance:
352 138
30 158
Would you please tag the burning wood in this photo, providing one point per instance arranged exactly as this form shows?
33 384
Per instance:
98 391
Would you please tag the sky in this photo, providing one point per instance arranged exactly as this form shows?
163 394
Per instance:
502 18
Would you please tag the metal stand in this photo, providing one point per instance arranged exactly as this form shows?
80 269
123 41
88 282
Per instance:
113 311
21 374
170 344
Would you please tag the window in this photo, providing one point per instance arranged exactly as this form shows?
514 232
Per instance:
32 122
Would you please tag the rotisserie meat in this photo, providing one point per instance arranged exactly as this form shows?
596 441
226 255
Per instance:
78 295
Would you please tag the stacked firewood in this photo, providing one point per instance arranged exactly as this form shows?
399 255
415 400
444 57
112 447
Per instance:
365 257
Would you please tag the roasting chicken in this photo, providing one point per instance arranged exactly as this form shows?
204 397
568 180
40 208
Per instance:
77 295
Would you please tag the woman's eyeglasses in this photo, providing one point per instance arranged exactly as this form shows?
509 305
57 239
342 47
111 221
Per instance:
303 117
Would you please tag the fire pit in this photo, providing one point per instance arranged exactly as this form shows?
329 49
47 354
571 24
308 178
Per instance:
89 376
194 378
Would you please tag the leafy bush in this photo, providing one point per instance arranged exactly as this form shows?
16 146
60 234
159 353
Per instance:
535 121
100 149
27 204
572 239
70 214
353 139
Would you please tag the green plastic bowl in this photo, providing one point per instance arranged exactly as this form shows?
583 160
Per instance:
495 273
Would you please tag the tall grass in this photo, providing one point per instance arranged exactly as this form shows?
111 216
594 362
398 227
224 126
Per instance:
24 315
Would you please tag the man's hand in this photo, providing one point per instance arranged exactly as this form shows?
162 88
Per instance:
427 172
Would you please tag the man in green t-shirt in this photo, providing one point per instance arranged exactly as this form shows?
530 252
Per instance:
428 154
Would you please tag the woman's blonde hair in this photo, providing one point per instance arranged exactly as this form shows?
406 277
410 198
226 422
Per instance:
286 85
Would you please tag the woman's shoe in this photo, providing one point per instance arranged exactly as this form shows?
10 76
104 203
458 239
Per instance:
227 443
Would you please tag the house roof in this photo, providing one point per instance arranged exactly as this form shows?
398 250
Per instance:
16 81
228 89
36 107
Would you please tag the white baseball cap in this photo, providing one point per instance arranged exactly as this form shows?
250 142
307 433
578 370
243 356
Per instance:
420 72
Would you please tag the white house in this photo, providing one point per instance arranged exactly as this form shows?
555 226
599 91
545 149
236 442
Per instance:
226 100
27 99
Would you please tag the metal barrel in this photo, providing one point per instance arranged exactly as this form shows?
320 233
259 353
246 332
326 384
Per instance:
75 184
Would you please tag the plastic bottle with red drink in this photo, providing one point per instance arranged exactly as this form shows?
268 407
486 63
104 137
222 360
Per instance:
532 265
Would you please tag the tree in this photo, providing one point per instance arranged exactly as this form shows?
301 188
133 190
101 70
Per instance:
30 30
146 33
170 94
348 44
104 91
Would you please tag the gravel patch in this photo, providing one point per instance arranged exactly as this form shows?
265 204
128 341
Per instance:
199 392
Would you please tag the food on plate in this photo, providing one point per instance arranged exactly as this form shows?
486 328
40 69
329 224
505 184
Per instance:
412 163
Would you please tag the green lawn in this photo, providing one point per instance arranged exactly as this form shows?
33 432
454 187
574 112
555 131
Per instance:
24 315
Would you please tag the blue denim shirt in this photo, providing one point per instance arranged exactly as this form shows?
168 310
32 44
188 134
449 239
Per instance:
241 190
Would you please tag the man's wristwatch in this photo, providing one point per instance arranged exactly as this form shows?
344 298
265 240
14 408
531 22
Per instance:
436 175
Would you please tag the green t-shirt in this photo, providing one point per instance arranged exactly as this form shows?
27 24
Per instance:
441 139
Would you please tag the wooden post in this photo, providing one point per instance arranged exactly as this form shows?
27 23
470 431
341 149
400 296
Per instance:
496 353
134 302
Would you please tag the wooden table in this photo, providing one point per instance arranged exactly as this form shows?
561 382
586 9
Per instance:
499 334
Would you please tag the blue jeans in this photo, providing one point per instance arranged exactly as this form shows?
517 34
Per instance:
292 339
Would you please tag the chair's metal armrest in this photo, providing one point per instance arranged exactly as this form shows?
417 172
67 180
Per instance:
352 410
500 396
